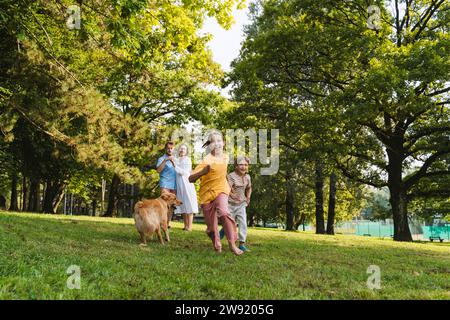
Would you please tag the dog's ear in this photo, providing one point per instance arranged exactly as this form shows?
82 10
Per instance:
166 196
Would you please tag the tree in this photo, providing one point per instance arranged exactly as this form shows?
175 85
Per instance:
384 88
93 94
331 204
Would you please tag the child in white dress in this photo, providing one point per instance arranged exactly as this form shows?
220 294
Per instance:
185 190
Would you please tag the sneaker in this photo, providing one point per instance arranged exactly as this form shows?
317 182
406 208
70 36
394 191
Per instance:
244 248
221 233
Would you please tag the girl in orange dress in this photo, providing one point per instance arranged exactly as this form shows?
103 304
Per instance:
214 191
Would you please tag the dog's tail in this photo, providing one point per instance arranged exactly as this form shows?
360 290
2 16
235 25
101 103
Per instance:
143 219
138 206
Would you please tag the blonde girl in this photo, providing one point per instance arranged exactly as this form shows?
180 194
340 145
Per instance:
214 191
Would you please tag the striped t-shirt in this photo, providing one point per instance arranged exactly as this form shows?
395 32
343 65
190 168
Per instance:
239 184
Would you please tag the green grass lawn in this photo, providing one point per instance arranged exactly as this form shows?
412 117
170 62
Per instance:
37 249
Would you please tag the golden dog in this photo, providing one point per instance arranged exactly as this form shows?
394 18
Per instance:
151 215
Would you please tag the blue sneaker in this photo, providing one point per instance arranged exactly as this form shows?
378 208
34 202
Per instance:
221 233
244 248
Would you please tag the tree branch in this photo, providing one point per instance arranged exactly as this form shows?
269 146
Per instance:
398 26
429 194
422 172
443 103
351 176
379 164
412 139
438 92
430 14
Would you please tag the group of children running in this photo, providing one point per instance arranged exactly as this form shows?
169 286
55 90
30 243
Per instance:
223 197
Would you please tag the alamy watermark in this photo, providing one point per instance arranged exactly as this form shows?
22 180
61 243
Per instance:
74 19
374 280
374 20
74 279
253 143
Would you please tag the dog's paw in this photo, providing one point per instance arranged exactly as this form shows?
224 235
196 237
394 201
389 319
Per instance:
142 244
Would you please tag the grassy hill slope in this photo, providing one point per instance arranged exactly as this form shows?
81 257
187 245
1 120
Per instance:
36 250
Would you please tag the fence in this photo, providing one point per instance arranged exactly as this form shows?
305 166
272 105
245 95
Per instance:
126 197
382 229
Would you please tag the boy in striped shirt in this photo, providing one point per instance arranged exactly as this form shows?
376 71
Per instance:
239 197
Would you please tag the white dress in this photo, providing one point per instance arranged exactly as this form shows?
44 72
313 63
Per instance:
185 190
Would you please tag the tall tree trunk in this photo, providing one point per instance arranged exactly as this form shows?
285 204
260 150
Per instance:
289 201
60 191
331 204
13 204
53 195
398 199
24 192
94 207
33 201
2 202
319 181
112 197
301 222
47 201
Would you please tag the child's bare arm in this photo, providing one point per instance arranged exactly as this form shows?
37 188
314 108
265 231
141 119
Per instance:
195 176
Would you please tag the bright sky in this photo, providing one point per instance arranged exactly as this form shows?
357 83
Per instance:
225 44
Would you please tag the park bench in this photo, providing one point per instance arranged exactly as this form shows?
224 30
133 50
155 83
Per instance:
435 234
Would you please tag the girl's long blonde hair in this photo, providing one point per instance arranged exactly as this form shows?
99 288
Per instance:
212 134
